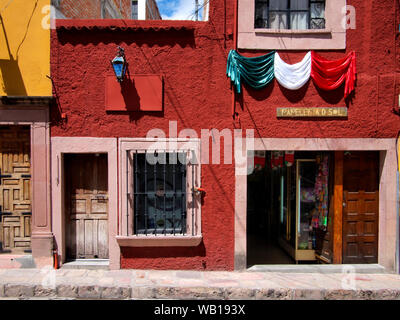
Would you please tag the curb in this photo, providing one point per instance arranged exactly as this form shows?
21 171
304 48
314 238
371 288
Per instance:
89 292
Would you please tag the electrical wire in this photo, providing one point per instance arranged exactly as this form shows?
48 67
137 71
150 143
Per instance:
196 11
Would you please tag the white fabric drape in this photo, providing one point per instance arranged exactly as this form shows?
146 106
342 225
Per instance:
292 76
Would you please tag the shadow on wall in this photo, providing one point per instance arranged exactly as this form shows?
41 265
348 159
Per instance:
139 96
151 37
130 94
13 84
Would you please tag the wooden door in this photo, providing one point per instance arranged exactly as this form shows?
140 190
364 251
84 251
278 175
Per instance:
86 205
15 193
360 207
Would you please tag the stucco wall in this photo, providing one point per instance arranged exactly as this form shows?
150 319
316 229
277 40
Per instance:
197 94
25 48
370 110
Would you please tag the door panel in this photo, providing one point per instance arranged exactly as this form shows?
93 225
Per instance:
15 193
86 206
361 207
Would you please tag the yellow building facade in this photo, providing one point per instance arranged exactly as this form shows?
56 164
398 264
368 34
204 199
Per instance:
25 102
25 48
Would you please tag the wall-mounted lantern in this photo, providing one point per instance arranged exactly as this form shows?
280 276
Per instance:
119 64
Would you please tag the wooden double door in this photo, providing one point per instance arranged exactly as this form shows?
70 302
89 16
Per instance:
15 189
360 207
86 206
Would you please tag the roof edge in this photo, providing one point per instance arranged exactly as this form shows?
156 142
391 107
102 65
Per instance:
125 25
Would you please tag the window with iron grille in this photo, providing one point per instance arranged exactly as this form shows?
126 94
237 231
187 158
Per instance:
160 197
290 14
159 193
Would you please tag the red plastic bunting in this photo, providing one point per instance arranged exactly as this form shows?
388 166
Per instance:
259 159
329 75
289 158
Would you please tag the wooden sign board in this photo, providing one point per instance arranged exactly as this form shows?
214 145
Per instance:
326 112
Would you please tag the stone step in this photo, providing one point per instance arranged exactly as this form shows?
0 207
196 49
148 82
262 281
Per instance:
16 261
321 268
89 264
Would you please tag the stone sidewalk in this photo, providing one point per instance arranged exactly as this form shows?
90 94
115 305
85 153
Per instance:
137 284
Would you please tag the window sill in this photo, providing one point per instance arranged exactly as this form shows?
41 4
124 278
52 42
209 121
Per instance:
159 241
292 32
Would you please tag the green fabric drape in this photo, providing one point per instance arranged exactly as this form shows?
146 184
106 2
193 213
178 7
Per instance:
257 72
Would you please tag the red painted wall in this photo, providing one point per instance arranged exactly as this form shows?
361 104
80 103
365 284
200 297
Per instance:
370 110
191 56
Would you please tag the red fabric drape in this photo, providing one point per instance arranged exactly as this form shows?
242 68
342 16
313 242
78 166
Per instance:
329 75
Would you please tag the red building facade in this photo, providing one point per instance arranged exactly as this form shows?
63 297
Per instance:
190 59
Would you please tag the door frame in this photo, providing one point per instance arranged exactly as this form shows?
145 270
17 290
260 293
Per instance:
34 112
68 194
388 225
62 145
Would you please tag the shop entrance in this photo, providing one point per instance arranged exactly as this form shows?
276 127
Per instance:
288 206
86 206
263 192
291 202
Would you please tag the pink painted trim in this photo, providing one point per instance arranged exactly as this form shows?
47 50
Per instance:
131 144
333 37
38 119
387 189
61 145
159 241
291 32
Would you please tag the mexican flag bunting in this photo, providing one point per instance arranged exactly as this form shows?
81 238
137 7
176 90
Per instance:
259 71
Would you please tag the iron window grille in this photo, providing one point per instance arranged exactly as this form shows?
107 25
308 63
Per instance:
159 185
289 14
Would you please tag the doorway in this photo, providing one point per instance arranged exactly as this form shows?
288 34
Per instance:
360 207
291 207
264 194
15 193
288 206
86 206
